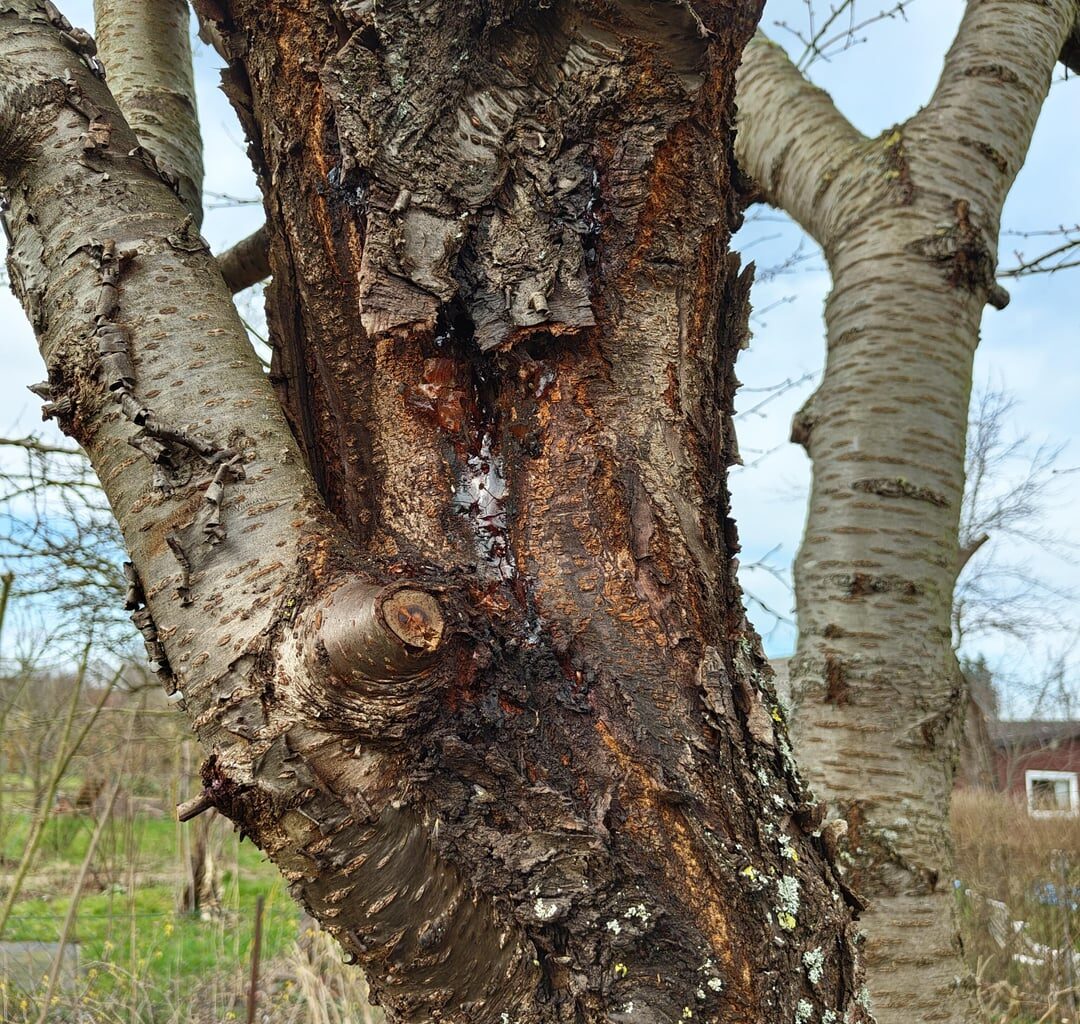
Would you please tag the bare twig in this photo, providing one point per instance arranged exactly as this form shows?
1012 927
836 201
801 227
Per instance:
824 40
1060 257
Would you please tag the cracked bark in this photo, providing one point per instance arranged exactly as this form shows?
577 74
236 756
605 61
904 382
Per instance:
467 657
908 223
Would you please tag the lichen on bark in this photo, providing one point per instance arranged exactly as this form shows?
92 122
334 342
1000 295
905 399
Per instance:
472 669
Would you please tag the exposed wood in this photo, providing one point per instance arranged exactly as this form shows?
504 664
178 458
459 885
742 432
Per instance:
195 806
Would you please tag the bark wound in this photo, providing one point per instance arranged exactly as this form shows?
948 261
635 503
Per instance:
135 602
78 40
836 684
479 174
964 254
860 584
569 763
373 650
897 487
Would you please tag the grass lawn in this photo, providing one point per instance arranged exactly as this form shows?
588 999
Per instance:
134 946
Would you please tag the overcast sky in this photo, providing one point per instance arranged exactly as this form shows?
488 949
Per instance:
1030 348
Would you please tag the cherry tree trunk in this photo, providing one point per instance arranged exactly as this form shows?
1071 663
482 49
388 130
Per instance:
454 614
908 223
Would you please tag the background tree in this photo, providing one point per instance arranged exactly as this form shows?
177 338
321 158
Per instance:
908 224
478 680
1011 486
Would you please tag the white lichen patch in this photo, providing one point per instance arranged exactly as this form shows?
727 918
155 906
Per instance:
787 894
545 910
814 962
716 984
638 912
613 926
803 1012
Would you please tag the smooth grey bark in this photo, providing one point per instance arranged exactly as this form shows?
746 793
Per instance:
908 223
146 46
524 764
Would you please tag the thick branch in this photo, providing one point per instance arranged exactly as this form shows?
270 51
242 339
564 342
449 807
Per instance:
145 47
791 138
247 262
141 338
992 87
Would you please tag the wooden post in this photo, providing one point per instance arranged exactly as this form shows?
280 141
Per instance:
256 948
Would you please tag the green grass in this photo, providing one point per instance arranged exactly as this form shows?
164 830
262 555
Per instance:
153 840
134 946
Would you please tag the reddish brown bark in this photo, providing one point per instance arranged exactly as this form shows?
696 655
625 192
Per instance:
500 720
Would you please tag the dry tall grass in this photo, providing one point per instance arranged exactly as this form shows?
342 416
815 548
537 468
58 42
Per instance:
1020 908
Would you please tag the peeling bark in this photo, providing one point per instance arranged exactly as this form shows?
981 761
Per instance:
473 668
908 223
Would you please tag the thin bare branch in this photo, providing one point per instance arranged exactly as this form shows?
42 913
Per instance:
35 444
824 40
1060 257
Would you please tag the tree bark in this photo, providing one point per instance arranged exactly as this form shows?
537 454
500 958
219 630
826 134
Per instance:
247 262
147 48
908 223
497 714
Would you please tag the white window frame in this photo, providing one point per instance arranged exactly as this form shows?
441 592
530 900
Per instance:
1033 775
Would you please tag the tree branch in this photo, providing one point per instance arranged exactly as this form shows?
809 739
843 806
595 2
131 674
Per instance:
107 265
791 138
36 445
146 49
992 87
247 262
968 550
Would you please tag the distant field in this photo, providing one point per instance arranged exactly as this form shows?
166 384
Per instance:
136 950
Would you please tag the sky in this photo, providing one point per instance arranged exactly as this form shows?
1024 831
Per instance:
1030 348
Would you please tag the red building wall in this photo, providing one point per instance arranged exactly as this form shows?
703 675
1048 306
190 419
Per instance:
1012 762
